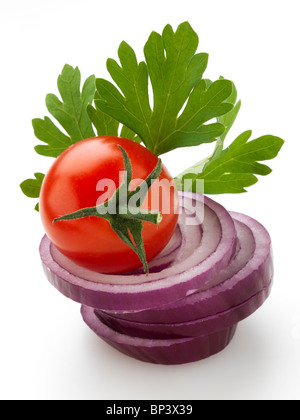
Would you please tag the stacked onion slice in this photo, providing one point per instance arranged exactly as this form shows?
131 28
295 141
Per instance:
216 271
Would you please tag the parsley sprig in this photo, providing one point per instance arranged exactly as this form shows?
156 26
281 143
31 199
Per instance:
183 102
187 110
70 112
231 169
76 119
235 166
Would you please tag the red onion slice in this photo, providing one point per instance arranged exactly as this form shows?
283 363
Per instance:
165 287
160 351
203 326
249 271
166 257
211 275
199 247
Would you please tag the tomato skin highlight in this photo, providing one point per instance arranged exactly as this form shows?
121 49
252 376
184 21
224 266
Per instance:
71 184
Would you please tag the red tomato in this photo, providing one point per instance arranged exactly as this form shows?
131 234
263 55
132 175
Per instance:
71 184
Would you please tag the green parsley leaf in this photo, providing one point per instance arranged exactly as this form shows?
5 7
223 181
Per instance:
175 72
235 167
227 121
187 110
75 115
106 125
70 112
31 187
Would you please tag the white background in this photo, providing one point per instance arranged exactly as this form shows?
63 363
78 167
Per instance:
46 351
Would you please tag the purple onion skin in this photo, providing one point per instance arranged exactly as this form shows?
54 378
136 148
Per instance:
202 326
240 287
164 351
131 298
171 322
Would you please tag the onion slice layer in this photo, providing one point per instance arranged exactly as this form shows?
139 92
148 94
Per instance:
216 271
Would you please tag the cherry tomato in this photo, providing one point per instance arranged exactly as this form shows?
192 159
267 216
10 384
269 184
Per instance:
72 183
